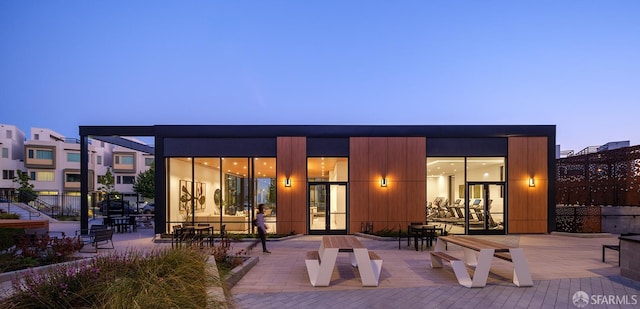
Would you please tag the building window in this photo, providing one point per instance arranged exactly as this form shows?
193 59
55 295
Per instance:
36 137
128 180
72 178
327 169
5 152
73 157
118 179
128 160
40 154
41 176
148 161
9 134
99 160
8 174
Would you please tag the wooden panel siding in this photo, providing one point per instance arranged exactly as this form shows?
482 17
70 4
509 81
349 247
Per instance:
402 161
291 158
417 160
527 205
358 159
358 204
397 166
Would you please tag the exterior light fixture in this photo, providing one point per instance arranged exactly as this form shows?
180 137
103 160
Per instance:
383 182
287 182
532 182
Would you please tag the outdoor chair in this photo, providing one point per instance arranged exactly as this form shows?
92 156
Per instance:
616 247
206 236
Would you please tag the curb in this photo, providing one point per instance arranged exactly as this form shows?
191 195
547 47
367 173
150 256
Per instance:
239 271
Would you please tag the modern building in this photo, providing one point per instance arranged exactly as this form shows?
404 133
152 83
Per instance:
337 179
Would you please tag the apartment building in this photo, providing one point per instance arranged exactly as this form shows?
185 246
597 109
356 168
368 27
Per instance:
52 161
11 156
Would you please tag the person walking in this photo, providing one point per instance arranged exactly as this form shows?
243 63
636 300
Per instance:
262 228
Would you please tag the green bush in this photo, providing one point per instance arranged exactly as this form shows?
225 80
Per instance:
386 233
9 216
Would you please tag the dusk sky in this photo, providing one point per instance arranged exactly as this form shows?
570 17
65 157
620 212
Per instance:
573 64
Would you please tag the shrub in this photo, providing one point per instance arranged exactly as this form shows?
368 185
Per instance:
20 250
165 278
386 233
9 216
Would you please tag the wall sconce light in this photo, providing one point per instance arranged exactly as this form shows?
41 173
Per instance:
532 183
287 182
383 182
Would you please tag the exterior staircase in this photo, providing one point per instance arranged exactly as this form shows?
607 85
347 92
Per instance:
25 212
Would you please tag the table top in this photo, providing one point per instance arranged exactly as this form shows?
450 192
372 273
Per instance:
196 227
476 243
341 242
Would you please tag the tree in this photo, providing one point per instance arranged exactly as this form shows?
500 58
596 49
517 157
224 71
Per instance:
107 183
26 193
145 184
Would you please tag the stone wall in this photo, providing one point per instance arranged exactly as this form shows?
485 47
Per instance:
620 219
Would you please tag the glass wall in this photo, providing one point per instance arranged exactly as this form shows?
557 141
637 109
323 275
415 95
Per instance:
219 191
457 191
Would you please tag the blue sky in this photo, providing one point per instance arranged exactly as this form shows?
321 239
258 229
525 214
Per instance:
574 64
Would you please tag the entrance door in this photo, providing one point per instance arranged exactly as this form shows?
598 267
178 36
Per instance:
486 208
327 208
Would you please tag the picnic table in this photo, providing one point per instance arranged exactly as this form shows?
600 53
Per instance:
486 250
320 263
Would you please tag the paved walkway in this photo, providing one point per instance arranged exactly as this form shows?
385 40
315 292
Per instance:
560 266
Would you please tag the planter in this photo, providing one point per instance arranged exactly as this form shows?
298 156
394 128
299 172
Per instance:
8 276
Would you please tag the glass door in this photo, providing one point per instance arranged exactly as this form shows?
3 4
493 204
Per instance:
486 209
327 208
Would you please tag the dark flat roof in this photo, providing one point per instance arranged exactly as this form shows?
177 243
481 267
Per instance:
239 131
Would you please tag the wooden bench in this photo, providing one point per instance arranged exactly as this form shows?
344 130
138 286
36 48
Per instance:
97 237
376 266
459 267
612 247
373 255
313 255
616 247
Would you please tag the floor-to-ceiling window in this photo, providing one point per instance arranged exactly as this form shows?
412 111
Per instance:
467 193
222 192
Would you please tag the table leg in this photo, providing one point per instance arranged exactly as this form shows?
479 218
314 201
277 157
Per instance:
323 277
470 257
368 274
521 274
481 273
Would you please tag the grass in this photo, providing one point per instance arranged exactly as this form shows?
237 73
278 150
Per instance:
164 278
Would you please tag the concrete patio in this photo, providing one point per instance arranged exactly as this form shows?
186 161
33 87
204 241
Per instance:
560 266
